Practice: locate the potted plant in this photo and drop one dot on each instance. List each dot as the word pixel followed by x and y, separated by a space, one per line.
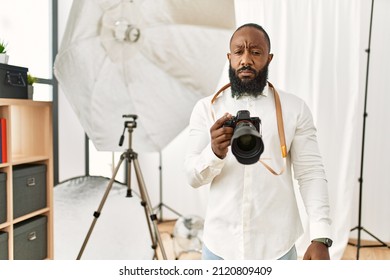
pixel 30 85
pixel 3 52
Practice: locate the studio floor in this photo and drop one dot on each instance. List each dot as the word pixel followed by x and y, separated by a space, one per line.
pixel 120 232
pixel 371 253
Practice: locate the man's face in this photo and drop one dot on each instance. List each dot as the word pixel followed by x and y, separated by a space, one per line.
pixel 249 58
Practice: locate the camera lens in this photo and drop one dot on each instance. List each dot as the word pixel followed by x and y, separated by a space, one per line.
pixel 247 145
pixel 246 142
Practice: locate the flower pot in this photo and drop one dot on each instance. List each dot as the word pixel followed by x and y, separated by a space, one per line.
pixel 30 91
pixel 4 58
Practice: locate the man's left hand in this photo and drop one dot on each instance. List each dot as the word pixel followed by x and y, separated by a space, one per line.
pixel 317 251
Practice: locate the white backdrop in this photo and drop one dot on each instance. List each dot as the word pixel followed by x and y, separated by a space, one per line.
pixel 319 55
pixel 316 46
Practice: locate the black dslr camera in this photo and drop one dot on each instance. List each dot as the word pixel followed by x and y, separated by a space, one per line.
pixel 247 144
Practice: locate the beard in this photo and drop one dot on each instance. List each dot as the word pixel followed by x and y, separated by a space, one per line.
pixel 253 87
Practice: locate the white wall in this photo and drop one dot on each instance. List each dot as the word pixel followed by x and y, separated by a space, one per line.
pixel 23 48
pixel 71 159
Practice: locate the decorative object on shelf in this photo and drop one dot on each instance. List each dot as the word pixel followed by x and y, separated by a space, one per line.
pixel 3 53
pixel 30 85
pixel 13 82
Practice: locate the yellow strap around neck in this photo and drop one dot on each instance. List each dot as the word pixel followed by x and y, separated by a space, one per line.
pixel 279 119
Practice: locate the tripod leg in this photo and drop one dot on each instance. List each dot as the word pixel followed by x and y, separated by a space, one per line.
pixel 159 207
pixel 148 207
pixel 152 237
pixel 96 214
pixel 382 244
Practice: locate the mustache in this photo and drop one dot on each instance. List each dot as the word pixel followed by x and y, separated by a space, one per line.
pixel 246 68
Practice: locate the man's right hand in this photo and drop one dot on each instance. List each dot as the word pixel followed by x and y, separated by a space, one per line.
pixel 221 136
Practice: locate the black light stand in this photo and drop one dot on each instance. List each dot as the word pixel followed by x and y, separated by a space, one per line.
pixel 359 227
pixel 131 157
pixel 160 206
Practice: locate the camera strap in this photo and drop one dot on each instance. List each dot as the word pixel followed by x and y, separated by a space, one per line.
pixel 279 120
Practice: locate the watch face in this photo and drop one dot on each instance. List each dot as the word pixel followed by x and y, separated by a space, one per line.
pixel 328 242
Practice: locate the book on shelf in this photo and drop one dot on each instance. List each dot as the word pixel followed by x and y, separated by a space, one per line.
pixel 3 132
pixel 1 144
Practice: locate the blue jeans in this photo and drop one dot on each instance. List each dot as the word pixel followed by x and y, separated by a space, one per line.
pixel 208 255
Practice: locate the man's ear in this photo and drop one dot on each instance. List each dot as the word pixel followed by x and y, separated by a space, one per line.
pixel 270 57
pixel 228 55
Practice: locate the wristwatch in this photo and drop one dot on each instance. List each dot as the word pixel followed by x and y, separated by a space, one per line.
pixel 327 241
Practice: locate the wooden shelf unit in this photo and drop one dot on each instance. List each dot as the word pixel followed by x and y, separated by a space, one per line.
pixel 29 140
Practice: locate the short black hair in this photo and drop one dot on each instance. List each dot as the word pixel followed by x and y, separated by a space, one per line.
pixel 258 27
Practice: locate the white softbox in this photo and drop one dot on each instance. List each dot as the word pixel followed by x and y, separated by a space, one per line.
pixel 152 58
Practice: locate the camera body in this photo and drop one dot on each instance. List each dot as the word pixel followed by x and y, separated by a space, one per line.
pixel 247 144
pixel 243 116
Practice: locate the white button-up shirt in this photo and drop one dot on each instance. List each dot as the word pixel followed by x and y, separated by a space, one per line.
pixel 253 214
